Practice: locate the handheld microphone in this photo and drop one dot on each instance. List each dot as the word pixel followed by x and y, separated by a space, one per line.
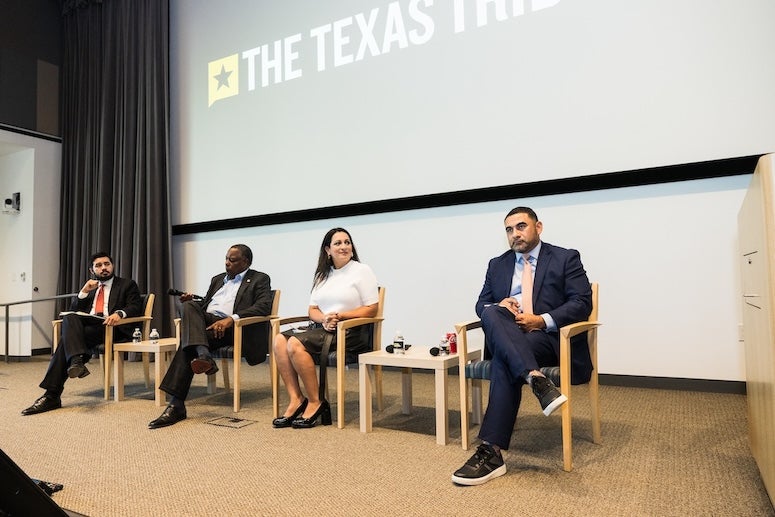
pixel 175 292
pixel 389 349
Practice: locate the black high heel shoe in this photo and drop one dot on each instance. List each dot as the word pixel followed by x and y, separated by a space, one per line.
pixel 286 421
pixel 324 412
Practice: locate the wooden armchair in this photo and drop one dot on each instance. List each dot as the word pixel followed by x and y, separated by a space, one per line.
pixel 475 371
pixel 340 357
pixel 235 351
pixel 106 349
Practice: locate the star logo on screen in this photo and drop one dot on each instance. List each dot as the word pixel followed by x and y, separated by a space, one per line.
pixel 222 78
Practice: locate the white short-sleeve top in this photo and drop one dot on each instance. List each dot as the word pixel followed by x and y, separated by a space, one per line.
pixel 349 287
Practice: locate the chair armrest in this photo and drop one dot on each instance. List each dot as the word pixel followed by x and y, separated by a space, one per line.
pixel 250 320
pixel 356 322
pixel 291 319
pixel 277 322
pixel 462 342
pixel 134 319
pixel 574 329
pixel 468 325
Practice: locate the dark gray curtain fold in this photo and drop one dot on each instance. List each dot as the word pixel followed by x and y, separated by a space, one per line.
pixel 115 144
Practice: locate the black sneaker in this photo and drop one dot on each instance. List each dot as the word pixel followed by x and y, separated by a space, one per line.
pixel 548 394
pixel 484 465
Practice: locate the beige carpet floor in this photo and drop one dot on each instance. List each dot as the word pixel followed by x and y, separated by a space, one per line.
pixel 664 453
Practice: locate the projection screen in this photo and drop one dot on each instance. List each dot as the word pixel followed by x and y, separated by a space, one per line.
pixel 290 105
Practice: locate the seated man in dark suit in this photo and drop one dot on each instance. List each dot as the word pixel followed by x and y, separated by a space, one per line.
pixel 529 292
pixel 208 324
pixel 105 295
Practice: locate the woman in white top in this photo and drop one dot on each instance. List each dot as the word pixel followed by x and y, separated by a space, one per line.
pixel 343 288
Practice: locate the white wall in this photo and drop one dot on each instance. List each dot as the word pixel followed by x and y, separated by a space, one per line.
pixel 664 255
pixel 30 239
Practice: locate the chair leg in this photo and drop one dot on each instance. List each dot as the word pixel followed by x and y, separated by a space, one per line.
pixel 464 432
pixel 225 369
pixel 476 401
pixel 236 387
pixel 211 384
pixel 275 379
pixel 147 369
pixel 340 397
pixel 378 383
pixel 594 401
pixel 567 436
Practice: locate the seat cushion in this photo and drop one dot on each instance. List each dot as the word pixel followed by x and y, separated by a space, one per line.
pixel 478 370
pixel 481 370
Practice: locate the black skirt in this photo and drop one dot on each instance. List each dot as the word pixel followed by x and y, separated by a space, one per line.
pixel 357 340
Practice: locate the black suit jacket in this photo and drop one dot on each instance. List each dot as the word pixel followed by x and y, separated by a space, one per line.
pixel 560 288
pixel 254 298
pixel 124 296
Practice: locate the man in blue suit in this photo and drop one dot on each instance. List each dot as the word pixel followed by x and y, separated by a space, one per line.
pixel 521 333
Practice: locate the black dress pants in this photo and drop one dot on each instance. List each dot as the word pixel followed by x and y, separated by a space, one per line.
pixel 193 333
pixel 80 335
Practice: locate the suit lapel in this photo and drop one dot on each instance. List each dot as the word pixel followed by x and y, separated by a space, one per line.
pixel 113 294
pixel 544 261
pixel 508 275
pixel 246 281
pixel 215 284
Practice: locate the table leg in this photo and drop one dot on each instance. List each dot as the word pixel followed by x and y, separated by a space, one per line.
pixel 118 376
pixel 406 391
pixel 442 420
pixel 364 394
pixel 158 369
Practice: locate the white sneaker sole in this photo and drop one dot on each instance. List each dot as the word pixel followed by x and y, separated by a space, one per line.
pixel 559 401
pixel 482 480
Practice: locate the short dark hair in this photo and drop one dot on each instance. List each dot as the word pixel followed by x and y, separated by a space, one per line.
pixel 523 210
pixel 245 251
pixel 98 255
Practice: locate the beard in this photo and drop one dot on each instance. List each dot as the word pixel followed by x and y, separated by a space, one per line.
pixel 105 277
pixel 521 246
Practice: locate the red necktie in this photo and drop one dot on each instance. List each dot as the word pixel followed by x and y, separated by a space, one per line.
pixel 99 304
pixel 527 285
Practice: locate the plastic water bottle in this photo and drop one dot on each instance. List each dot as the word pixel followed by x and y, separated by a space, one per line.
pixel 154 336
pixel 136 335
pixel 444 345
pixel 398 343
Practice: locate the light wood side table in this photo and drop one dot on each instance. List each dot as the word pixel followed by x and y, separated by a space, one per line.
pixel 415 357
pixel 161 351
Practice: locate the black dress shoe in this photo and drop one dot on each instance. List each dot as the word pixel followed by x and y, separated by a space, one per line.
pixel 323 412
pixel 171 415
pixel 77 368
pixel 204 364
pixel 286 421
pixel 42 405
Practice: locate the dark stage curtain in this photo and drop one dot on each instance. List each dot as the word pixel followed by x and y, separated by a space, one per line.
pixel 115 144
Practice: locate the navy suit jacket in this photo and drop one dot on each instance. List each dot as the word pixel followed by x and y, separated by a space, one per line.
pixel 254 298
pixel 560 288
